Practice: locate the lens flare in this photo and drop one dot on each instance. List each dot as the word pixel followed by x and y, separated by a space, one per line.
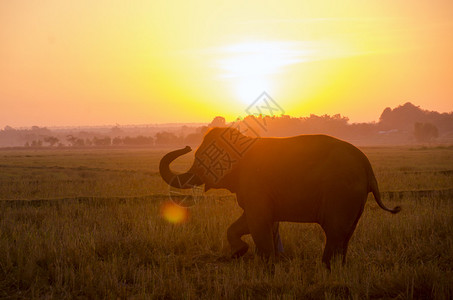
pixel 174 213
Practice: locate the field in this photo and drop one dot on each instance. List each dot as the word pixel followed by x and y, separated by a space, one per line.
pixel 88 224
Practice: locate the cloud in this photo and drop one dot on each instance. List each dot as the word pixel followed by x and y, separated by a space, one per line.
pixel 260 58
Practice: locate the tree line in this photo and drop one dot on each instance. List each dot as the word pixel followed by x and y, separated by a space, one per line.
pixel 404 124
pixel 160 139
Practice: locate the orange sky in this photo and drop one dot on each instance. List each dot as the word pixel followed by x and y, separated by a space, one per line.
pixel 107 62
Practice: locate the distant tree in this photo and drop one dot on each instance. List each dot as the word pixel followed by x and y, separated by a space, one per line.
pixel 165 138
pixel 425 132
pixel 128 140
pixel 404 116
pixel 115 131
pixel 40 130
pixel 105 141
pixel 117 141
pixel 138 141
pixel 8 128
pixel 71 139
pixel 193 138
pixel 80 142
pixel 75 141
pixel 36 143
pixel 144 140
pixel 217 122
pixel 51 140
pixel 401 117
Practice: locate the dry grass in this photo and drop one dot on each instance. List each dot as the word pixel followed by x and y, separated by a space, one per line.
pixel 109 247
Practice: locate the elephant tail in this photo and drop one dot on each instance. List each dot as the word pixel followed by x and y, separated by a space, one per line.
pixel 377 195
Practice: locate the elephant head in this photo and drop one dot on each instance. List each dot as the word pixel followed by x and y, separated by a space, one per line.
pixel 216 161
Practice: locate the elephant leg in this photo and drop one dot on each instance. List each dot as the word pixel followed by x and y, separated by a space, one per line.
pixel 234 234
pixel 340 222
pixel 277 240
pixel 240 228
pixel 335 246
pixel 351 231
pixel 337 240
pixel 345 248
pixel 262 234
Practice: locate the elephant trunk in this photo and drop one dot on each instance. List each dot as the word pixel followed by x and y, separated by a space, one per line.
pixel 181 181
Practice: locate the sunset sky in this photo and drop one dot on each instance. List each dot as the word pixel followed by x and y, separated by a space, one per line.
pixel 107 62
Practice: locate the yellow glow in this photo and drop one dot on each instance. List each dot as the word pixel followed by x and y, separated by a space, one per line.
pixel 174 213
pixel 249 66
pixel 105 62
pixel 253 67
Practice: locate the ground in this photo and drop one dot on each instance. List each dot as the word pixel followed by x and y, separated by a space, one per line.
pixel 87 223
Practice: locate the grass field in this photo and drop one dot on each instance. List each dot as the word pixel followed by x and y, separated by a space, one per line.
pixel 87 224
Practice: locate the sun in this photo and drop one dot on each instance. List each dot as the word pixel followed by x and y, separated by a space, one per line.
pixel 252 67
pixel 247 89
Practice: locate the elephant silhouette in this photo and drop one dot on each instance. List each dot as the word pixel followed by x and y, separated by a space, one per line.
pixel 306 178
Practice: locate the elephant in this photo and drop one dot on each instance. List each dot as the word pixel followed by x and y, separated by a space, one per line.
pixel 311 178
